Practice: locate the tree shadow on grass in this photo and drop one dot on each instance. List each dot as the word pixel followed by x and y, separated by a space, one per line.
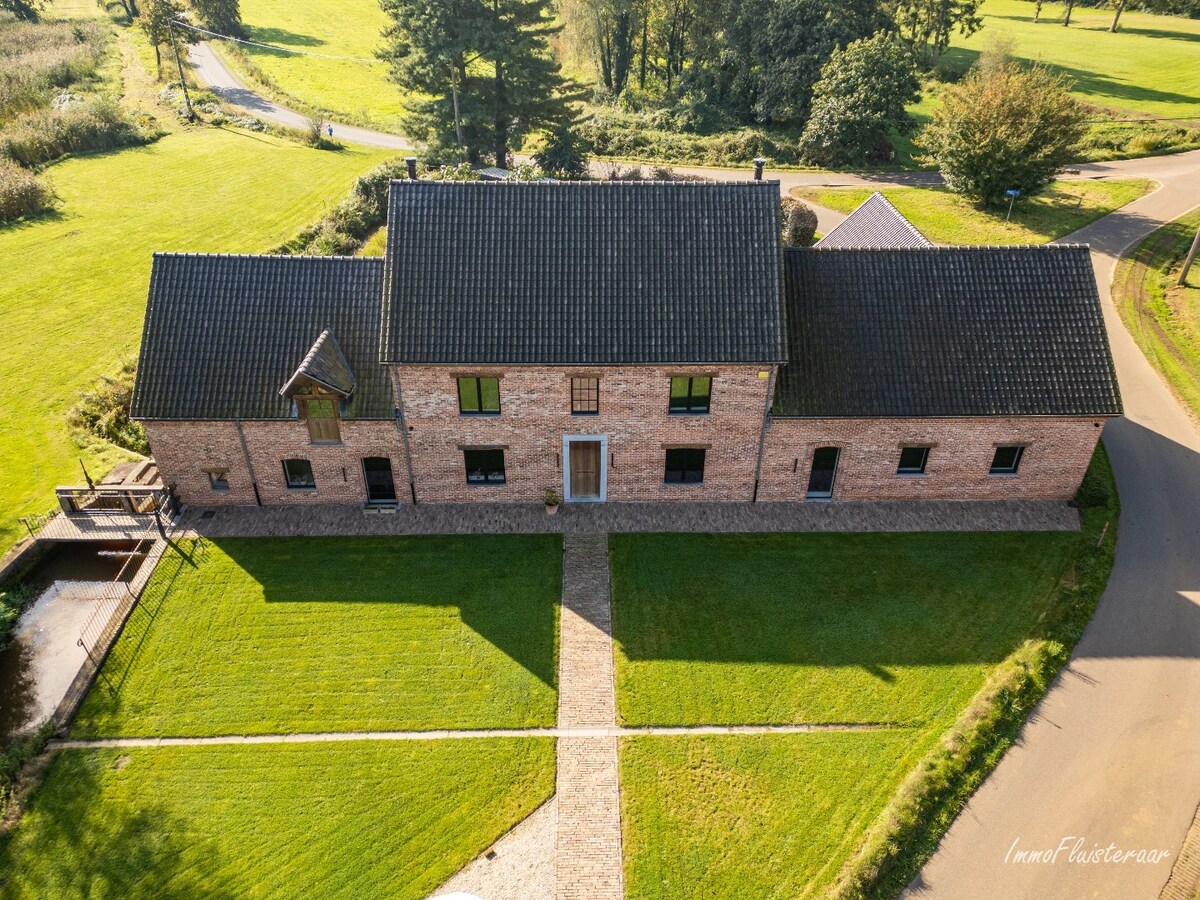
pixel 1102 27
pixel 272 35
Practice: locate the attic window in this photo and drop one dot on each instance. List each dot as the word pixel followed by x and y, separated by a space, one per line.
pixel 322 418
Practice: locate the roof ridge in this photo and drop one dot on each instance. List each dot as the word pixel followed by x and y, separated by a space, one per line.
pixel 184 254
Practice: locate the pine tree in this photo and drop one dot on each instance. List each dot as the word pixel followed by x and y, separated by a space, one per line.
pixel 494 54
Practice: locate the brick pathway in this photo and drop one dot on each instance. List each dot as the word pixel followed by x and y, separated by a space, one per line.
pixel 582 518
pixel 589 796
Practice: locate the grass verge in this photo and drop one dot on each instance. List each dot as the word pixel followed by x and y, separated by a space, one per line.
pixel 946 218
pixel 908 830
pixel 1162 315
pixel 265 635
pixel 343 820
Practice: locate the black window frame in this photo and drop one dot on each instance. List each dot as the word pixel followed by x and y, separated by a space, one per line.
pixel 691 406
pixel 1018 451
pixel 291 481
pixel 585 394
pixel 479 380
pixel 911 470
pixel 488 468
pixel 685 461
pixel 218 479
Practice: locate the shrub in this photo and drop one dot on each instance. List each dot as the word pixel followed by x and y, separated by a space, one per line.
pixel 564 154
pixel 13 759
pixel 316 135
pixel 36 61
pixel 44 135
pixel 798 223
pixel 13 598
pixel 21 194
pixel 103 411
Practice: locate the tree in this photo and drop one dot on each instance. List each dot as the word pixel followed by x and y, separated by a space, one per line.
pixel 564 155
pixel 798 223
pixel 862 92
pixel 153 21
pixel 1003 127
pixel 481 69
pixel 24 10
pixel 1117 16
pixel 1067 9
pixel 926 25
pixel 221 16
pixel 606 33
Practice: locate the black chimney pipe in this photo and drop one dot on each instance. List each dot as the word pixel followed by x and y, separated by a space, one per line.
pixel 759 162
pixel 412 167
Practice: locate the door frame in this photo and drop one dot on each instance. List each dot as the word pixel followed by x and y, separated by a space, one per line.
pixel 568 440
pixel 837 465
pixel 362 465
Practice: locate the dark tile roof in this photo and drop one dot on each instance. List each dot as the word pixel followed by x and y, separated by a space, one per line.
pixel 874 223
pixel 325 363
pixel 583 273
pixel 222 333
pixel 946 331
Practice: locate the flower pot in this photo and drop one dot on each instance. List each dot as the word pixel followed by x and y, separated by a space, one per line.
pixel 552 509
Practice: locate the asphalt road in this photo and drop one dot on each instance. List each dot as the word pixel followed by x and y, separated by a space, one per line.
pixel 1112 753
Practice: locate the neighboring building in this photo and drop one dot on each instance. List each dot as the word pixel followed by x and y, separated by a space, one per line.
pixel 874 223
pixel 623 342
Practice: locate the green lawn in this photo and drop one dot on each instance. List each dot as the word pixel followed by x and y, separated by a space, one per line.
pixel 1163 316
pixel 947 218
pixel 771 816
pixel 820 628
pixel 341 820
pixel 351 28
pixel 74 289
pixel 266 635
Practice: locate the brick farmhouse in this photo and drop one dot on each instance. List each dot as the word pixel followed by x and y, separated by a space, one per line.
pixel 624 341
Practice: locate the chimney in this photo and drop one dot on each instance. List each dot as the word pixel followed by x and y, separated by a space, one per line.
pixel 412 167
pixel 759 162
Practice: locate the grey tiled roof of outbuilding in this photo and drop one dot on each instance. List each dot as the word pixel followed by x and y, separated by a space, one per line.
pixel 945 331
pixel 223 333
pixel 874 223
pixel 583 273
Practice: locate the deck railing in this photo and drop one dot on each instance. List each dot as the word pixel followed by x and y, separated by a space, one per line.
pixel 128 500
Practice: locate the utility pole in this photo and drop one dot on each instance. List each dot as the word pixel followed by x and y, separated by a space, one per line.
pixel 1191 258
pixel 457 118
pixel 187 100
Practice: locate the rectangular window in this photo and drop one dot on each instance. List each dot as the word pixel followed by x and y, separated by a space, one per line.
pixel 684 466
pixel 484 466
pixel 585 396
pixel 1006 460
pixel 479 396
pixel 298 474
pixel 690 394
pixel 321 416
pixel 912 460
pixel 217 479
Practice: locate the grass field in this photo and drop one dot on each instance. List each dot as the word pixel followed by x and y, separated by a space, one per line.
pixel 73 295
pixel 820 628
pixel 947 218
pixel 266 635
pixel 1163 316
pixel 343 820
pixel 350 28
pixel 766 816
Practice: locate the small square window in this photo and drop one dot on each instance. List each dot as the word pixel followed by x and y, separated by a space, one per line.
pixel 1006 460
pixel 912 460
pixel 298 474
pixel 217 479
pixel 685 466
pixel 690 394
pixel 585 396
pixel 484 466
pixel 478 396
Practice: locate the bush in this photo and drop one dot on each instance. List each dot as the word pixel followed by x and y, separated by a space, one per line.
pixel 798 223
pixel 103 412
pixel 21 194
pixel 564 154
pixel 13 759
pixel 38 60
pixel 12 600
pixel 39 137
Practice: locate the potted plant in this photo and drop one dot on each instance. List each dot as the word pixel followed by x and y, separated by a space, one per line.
pixel 551 499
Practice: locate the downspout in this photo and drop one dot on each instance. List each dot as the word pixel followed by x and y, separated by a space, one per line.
pixel 402 427
pixel 762 436
pixel 237 423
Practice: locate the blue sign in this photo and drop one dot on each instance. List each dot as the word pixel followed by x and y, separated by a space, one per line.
pixel 1012 192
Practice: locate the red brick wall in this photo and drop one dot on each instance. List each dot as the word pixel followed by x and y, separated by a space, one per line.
pixel 184 449
pixel 1055 458
pixel 535 413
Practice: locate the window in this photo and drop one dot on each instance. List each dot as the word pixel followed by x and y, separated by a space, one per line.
pixel 690 394
pixel 298 474
pixel 484 466
pixel 217 479
pixel 1006 460
pixel 912 460
pixel 321 416
pixel 585 396
pixel 684 466
pixel 479 396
